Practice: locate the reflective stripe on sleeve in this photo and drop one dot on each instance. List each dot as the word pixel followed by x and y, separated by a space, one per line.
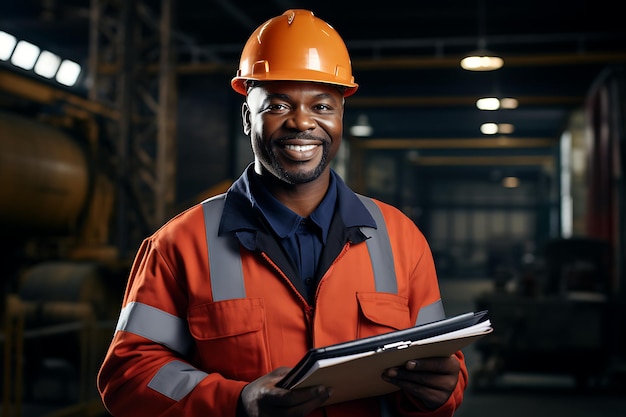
pixel 430 313
pixel 176 379
pixel 225 269
pixel 379 248
pixel 156 325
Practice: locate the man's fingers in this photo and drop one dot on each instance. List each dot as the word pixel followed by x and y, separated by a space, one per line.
pixel 445 365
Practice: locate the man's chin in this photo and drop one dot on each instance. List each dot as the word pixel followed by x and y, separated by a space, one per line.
pixel 301 176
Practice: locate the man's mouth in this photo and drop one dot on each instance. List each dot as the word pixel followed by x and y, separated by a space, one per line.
pixel 300 148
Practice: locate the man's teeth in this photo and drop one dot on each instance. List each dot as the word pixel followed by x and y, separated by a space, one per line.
pixel 300 148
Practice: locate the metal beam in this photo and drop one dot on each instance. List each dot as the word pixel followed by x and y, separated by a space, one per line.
pixel 38 92
pixel 132 61
pixel 469 143
pixel 457 161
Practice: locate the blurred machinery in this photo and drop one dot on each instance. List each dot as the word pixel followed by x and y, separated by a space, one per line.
pixel 557 318
pixel 563 311
pixel 61 277
pixel 84 176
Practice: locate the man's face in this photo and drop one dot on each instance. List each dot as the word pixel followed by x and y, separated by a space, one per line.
pixel 295 128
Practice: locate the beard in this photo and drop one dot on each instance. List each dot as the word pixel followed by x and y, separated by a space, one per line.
pixel 296 173
pixel 298 176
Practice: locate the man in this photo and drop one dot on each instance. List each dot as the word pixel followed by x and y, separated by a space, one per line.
pixel 209 327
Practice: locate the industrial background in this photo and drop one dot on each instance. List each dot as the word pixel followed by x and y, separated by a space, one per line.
pixel 527 219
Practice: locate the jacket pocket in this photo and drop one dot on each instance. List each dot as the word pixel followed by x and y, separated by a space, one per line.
pixel 230 337
pixel 381 313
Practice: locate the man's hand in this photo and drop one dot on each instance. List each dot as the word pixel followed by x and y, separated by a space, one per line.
pixel 431 380
pixel 261 397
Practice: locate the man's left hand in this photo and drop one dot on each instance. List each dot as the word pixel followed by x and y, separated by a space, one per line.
pixel 431 380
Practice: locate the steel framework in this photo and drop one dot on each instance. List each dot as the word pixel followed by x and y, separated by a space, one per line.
pixel 132 71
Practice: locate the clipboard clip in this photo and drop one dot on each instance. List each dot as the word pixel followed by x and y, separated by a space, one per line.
pixel 395 345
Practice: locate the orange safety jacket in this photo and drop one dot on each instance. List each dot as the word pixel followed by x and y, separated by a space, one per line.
pixel 192 333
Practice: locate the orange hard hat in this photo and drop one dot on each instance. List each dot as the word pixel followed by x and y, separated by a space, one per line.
pixel 295 46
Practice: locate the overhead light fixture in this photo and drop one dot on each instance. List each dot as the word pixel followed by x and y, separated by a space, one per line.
pixel 68 73
pixel 493 128
pixel 362 127
pixel 481 61
pixel 493 103
pixel 7 44
pixel 489 128
pixel 509 103
pixel 25 55
pixel 488 103
pixel 47 64
pixel 505 128
pixel 510 182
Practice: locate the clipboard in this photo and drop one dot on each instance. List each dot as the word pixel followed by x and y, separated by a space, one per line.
pixel 353 369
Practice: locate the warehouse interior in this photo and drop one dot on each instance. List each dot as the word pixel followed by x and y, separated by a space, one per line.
pixel 523 202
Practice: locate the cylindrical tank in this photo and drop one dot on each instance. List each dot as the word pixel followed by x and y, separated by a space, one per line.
pixel 62 283
pixel 44 178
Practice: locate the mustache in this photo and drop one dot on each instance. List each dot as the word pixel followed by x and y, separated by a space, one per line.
pixel 302 135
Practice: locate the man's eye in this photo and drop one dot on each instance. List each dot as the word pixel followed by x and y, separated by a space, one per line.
pixel 277 107
pixel 323 107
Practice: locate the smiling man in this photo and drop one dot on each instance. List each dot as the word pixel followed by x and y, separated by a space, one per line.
pixel 295 129
pixel 225 298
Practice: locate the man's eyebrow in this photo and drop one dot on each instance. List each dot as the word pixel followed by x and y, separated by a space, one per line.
pixel 284 96
pixel 281 96
pixel 325 95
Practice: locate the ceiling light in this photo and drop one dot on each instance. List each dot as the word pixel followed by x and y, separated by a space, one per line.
pixel 506 128
pixel 7 43
pixel 509 103
pixel 488 103
pixel 47 64
pixel 493 103
pixel 493 128
pixel 489 128
pixel 362 127
pixel 68 73
pixel 481 61
pixel 510 182
pixel 25 55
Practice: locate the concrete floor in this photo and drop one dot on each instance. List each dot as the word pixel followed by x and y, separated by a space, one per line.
pixel 510 395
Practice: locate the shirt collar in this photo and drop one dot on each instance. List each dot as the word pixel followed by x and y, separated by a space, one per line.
pixel 283 220
pixel 242 210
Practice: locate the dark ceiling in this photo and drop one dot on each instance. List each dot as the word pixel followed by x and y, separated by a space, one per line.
pixel 405 55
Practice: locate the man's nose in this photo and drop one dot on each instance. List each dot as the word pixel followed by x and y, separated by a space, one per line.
pixel 301 119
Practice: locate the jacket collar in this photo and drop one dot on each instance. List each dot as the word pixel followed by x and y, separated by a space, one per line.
pixel 242 214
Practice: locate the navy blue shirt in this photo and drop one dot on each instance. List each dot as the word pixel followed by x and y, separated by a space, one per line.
pixel 302 238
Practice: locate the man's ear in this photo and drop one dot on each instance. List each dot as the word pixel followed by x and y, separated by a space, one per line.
pixel 245 118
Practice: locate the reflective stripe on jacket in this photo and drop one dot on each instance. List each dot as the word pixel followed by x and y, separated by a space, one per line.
pixel 191 333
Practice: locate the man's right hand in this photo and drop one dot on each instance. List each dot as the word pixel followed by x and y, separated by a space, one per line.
pixel 261 397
